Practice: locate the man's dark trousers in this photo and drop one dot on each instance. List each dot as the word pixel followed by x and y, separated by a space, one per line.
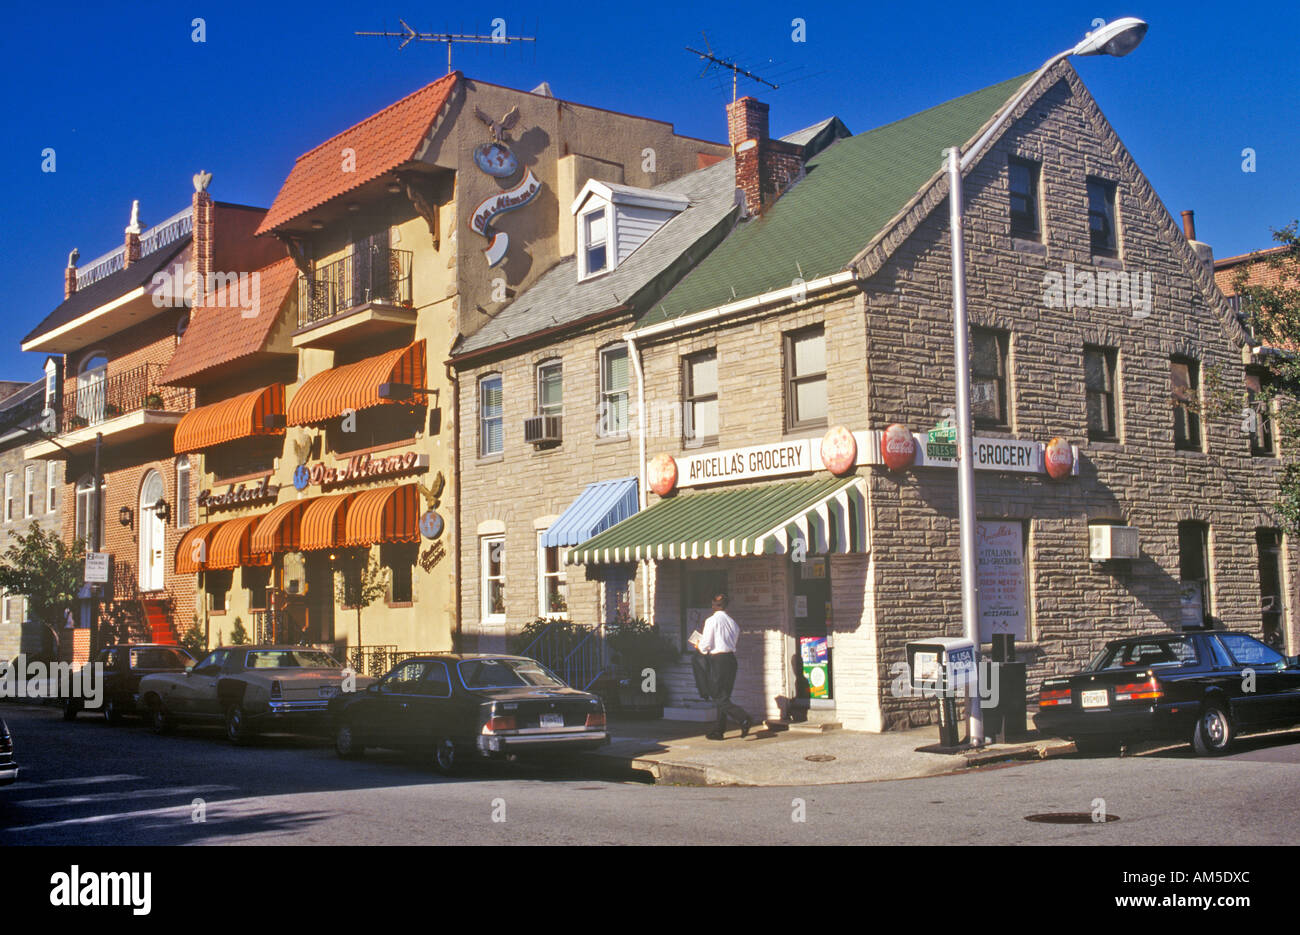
pixel 724 680
pixel 703 675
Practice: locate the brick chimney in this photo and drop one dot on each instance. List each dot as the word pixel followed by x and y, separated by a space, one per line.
pixel 70 274
pixel 764 167
pixel 133 229
pixel 204 235
pixel 1204 252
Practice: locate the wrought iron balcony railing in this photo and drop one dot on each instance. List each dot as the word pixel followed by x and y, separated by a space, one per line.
pixel 369 274
pixel 104 395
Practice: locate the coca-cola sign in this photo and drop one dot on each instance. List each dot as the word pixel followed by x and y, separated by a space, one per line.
pixel 1059 458
pixel 897 448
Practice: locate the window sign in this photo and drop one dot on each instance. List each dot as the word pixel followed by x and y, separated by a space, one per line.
pixel 1000 575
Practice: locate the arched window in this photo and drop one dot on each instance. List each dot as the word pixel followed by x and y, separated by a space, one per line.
pixel 91 388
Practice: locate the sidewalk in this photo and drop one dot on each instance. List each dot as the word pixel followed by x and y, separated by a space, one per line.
pixel 677 752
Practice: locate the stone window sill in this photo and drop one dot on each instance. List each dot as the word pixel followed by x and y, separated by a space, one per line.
pixel 1035 247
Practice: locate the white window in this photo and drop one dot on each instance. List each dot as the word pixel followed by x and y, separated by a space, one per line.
pixel 9 496
pixel 552 583
pixel 86 510
pixel 492 555
pixel 31 493
pixel 4 607
pixel 595 242
pixel 550 388
pixel 491 438
pixel 700 397
pixel 613 392
pixel 51 486
pixel 182 491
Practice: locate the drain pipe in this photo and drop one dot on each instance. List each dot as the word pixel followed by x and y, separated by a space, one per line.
pixel 635 356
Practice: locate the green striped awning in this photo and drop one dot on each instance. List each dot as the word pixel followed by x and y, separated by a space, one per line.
pixel 827 515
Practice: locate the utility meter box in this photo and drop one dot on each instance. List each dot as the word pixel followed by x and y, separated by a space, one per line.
pixel 942 664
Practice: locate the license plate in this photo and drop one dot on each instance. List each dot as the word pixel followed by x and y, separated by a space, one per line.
pixel 329 691
pixel 551 720
pixel 1095 699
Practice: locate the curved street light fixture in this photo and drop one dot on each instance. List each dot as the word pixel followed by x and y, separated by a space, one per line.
pixel 1117 38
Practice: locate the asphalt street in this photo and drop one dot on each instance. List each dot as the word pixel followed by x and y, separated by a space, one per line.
pixel 88 783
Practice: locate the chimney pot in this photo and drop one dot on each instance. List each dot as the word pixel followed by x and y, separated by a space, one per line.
pixel 1189 225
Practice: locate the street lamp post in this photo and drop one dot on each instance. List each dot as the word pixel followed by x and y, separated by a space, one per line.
pixel 1118 38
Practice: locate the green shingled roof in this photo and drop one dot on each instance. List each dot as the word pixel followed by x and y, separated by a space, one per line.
pixel 851 190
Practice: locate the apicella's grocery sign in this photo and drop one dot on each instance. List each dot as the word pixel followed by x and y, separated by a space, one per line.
pixel 840 450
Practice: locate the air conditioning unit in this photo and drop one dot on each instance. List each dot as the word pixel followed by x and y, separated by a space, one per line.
pixel 541 430
pixel 1107 543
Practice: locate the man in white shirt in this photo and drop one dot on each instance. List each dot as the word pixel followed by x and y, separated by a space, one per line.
pixel 718 642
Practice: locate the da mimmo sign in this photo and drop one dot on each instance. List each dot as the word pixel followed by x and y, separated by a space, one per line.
pixel 357 469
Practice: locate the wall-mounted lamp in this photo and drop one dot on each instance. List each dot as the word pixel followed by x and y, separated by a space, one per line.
pixel 162 510
pixel 125 516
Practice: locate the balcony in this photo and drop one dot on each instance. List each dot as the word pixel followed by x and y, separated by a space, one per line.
pixel 123 407
pixel 366 293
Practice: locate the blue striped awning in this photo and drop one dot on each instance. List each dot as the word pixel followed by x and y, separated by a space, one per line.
pixel 597 508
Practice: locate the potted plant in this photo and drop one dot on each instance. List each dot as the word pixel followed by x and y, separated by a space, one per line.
pixel 153 401
pixel 78 422
pixel 641 653
pixel 112 409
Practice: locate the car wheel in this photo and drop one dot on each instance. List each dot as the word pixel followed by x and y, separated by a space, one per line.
pixel 346 742
pixel 70 710
pixel 1097 746
pixel 238 730
pixel 160 722
pixel 1214 731
pixel 112 711
pixel 446 759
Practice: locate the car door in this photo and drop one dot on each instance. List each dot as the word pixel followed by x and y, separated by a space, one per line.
pixel 428 710
pixel 1274 685
pixel 389 719
pixel 196 693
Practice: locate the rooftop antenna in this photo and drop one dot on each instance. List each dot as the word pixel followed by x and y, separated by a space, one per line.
pixel 409 35
pixel 736 71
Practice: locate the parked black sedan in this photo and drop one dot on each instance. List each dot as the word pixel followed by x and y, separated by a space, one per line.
pixel 1203 686
pixel 124 666
pixel 460 706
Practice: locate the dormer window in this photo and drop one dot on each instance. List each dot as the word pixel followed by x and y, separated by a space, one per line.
pixel 596 235
pixel 612 220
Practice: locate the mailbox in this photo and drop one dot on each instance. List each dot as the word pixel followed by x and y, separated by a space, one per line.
pixel 942 664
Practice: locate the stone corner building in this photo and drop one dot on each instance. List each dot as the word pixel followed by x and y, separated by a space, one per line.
pixel 815 333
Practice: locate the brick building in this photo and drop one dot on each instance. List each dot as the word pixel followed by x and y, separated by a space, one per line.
pixel 117 329
pixel 813 344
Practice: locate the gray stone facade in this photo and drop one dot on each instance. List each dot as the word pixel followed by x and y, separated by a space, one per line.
pixel 889 349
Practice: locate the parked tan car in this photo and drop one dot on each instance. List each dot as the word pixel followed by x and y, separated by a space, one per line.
pixel 248 688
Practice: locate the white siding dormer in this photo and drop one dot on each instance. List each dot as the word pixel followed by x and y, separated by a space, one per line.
pixel 613 220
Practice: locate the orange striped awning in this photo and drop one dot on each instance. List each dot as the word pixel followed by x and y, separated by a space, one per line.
pixel 232 544
pixel 281 528
pixel 385 514
pixel 322 522
pixel 356 386
pixel 193 549
pixel 238 417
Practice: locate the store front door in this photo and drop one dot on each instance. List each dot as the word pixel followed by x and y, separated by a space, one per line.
pixel 320 598
pixel 812 618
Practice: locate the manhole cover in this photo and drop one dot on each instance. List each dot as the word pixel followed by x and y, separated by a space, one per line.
pixel 1071 818
pixel 819 758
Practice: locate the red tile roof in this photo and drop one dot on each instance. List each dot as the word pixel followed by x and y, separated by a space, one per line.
pixel 219 332
pixel 381 142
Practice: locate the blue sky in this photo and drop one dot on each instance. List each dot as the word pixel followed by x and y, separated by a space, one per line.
pixel 133 107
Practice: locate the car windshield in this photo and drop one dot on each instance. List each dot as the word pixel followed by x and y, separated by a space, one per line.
pixel 1174 651
pixel 506 673
pixel 290 659
pixel 160 659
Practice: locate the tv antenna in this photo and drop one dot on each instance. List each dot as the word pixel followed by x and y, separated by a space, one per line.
pixel 710 60
pixel 409 35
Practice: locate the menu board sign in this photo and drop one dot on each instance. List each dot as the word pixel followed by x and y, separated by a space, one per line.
pixel 1000 575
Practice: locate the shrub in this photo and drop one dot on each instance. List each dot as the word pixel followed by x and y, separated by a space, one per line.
pixel 238 635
